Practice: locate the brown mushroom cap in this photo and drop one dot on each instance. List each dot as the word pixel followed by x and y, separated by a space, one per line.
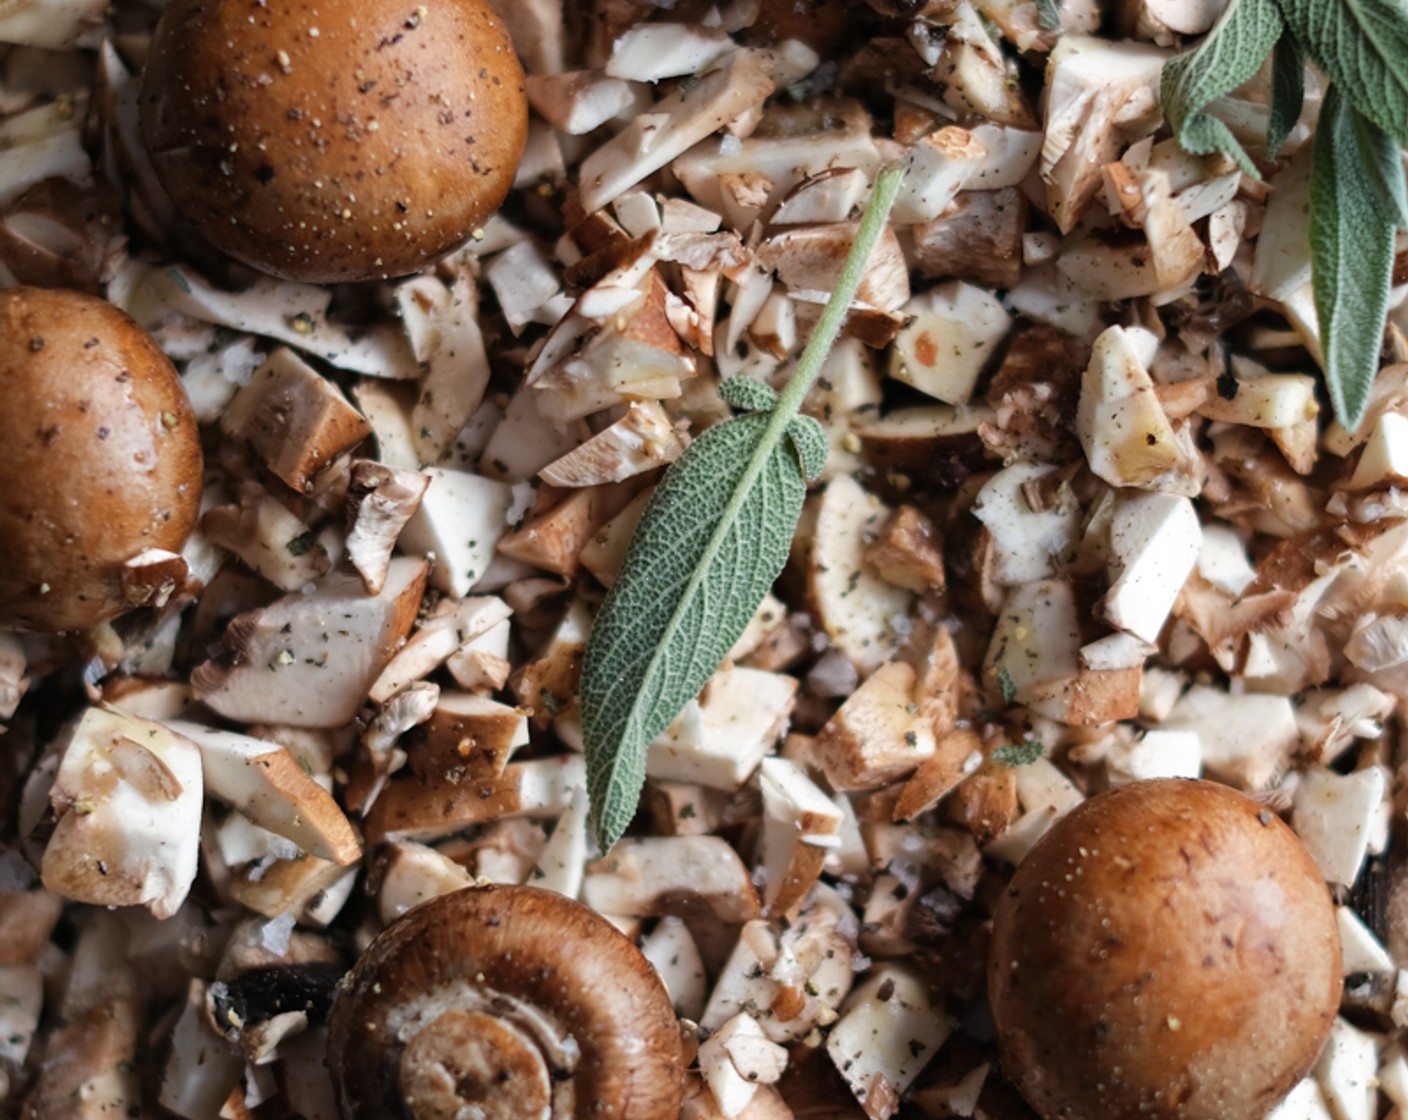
pixel 1168 949
pixel 342 140
pixel 102 459
pixel 513 999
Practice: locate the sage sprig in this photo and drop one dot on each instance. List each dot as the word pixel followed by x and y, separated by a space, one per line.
pixel 1357 195
pixel 714 537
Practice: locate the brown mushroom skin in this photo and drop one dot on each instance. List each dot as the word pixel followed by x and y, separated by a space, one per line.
pixel 1167 950
pixel 332 140
pixel 470 956
pixel 102 458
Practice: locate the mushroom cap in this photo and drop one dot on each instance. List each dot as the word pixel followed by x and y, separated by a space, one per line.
pixel 103 459
pixel 343 140
pixel 512 998
pixel 1168 949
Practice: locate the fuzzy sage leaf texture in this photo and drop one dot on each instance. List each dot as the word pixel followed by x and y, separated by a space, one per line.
pixel 714 537
pixel 1230 55
pixel 646 660
pixel 1363 46
pixel 1351 248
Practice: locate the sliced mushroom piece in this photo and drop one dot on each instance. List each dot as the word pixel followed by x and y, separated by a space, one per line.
pixel 800 827
pixel 720 737
pixel 738 1059
pixel 128 800
pixel 313 889
pixel 1099 95
pixel 466 738
pixel 291 313
pixel 59 234
pixel 683 875
pixel 269 537
pixel 308 660
pixel 1336 816
pixel 1247 741
pixel 41 143
pixel 380 501
pixel 953 331
pixel 89 1068
pixel 452 625
pixel 643 439
pixel 579 101
pixel 295 419
pixel 1028 543
pixel 810 258
pixel 739 81
pixel 1122 427
pixel 412 808
pixel 13 680
pixel 856 608
pixel 266 783
pixel 1154 542
pixel 410 874
pixel 888 1031
pixel 469 998
pixel 651 51
pixel 459 520
pixel 201 1070
pixel 879 735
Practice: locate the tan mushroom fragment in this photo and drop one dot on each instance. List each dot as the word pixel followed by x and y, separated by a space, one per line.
pixel 308 660
pixel 127 796
pixel 449 628
pixel 380 501
pixel 800 826
pixel 294 419
pixel 265 782
pixel 661 875
pixel 270 539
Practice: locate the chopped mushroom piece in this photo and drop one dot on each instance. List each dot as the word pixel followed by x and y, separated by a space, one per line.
pixel 1154 541
pixel 719 738
pixel 1122 427
pixel 380 501
pixel 128 800
pixel 1246 740
pixel 888 1031
pixel 459 521
pixel 738 82
pixel 953 330
pixel 266 783
pixel 879 735
pixel 295 419
pixel 308 660
pixel 1334 816
pixel 643 439
pixel 451 626
pixel 736 1060
pixel 651 51
pixel 578 102
pixel 855 607
pixel 663 875
pixel 800 826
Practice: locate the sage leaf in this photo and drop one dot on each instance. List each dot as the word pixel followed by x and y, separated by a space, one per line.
pixel 710 546
pixel 746 394
pixel 808 439
pixel 1363 46
pixel 714 537
pixel 1048 15
pixel 1229 55
pixel 1383 168
pixel 1351 250
pixel 1287 91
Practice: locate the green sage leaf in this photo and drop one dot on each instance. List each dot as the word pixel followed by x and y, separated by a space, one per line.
pixel 710 550
pixel 1229 55
pixel 1383 169
pixel 808 438
pixel 713 539
pixel 1048 14
pixel 747 394
pixel 1351 249
pixel 1287 91
pixel 1363 46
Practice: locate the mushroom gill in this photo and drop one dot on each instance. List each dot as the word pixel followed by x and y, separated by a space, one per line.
pixel 504 1003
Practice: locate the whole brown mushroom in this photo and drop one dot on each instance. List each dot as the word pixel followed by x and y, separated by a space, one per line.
pixel 102 463
pixel 506 1003
pixel 1167 950
pixel 337 140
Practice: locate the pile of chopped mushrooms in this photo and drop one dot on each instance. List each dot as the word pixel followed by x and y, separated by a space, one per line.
pixel 1086 521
